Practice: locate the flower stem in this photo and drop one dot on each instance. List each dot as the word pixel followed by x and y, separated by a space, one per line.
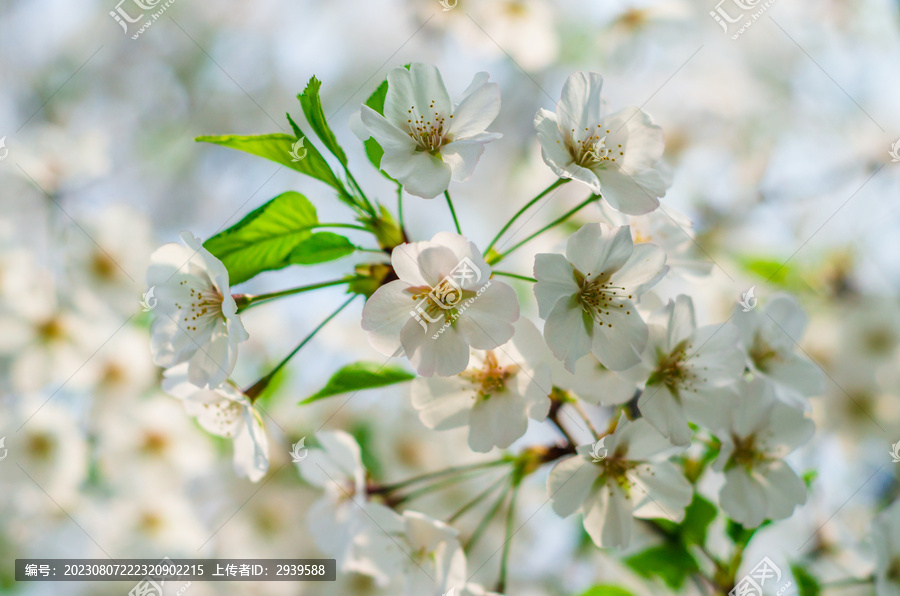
pixel 559 182
pixel 342 225
pixel 584 416
pixel 515 276
pixel 455 479
pixel 245 301
pixel 368 206
pixel 554 418
pixel 485 521
pixel 400 207
pixel 254 391
pixel 510 522
pixel 478 499
pixel 552 224
pixel 388 488
pixel 452 212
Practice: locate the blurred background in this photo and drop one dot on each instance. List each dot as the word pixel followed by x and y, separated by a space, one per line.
pixel 779 136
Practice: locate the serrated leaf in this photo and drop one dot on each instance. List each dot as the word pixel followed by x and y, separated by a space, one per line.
pixel 358 376
pixel 606 590
pixel 265 239
pixel 279 147
pixel 321 247
pixel 671 563
pixel 315 115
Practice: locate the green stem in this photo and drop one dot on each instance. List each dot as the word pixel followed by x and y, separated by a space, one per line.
pixel 452 212
pixel 847 583
pixel 485 521
pixel 388 488
pixel 455 479
pixel 342 225
pixel 510 523
pixel 400 207
pixel 559 182
pixel 552 224
pixel 515 276
pixel 254 391
pixel 359 189
pixel 245 301
pixel 478 499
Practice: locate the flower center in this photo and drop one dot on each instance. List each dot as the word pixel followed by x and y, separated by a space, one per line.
pixel 429 133
pixel 616 470
pixel 746 454
pixel 205 304
pixel 491 378
pixel 673 372
pixel 762 354
pixel 591 151
pixel 599 297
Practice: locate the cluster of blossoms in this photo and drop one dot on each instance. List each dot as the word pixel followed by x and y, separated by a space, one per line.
pixel 607 339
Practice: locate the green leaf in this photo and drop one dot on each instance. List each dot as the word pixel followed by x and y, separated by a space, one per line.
pixel 670 562
pixel 373 150
pixel 312 107
pixel 358 376
pixel 807 585
pixel 697 518
pixel 266 238
pixel 278 147
pixel 606 590
pixel 321 247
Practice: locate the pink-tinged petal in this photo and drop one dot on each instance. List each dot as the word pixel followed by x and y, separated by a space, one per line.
pixel 497 421
pixel 597 250
pixel 643 270
pixel 642 142
pixel 391 138
pixel 568 331
pixel 444 355
pixel 619 341
pixel 633 194
pixel 478 108
pixel 442 402
pixel 743 498
pixel 488 319
pixel 570 483
pixel 385 314
pixel 556 279
pixel 580 104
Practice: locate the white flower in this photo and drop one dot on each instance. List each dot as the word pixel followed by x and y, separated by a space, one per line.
pixel 494 397
pixel 587 296
pixel 617 154
pixel 688 371
pixel 197 319
pixel 443 302
pixel 886 537
pixel 770 335
pixel 225 412
pixel 426 138
pixel 422 550
pixel 761 431
pixel 632 480
pixel 336 518
pixel 593 382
